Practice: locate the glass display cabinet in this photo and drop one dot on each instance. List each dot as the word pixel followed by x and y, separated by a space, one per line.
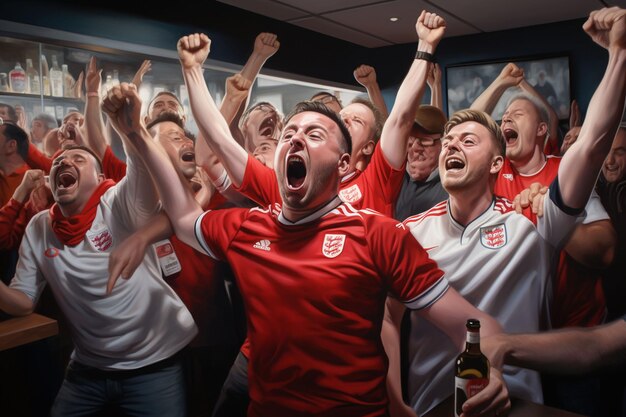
pixel 39 67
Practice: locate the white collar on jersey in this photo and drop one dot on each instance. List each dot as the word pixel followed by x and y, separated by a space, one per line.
pixel 348 176
pixel 543 165
pixel 331 205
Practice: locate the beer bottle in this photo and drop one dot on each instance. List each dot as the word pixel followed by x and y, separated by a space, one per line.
pixel 472 368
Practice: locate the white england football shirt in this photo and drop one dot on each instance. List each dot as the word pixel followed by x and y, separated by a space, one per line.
pixel 143 321
pixel 500 263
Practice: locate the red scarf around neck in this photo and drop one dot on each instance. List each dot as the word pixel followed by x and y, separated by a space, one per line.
pixel 71 230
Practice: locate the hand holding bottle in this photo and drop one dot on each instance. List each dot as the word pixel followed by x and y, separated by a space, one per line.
pixel 472 368
pixel 480 388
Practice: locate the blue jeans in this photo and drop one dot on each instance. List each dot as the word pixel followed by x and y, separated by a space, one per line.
pixel 156 390
pixel 234 399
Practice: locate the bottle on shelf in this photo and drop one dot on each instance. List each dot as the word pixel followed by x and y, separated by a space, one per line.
pixel 45 76
pixel 4 82
pixel 472 368
pixel 17 79
pixel 56 78
pixel 116 77
pixel 34 84
pixel 68 82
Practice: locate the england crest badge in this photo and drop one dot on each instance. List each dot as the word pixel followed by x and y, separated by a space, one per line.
pixel 351 194
pixel 333 245
pixel 493 237
pixel 100 239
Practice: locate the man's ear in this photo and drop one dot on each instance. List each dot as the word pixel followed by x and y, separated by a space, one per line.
pixel 369 147
pixel 496 164
pixel 542 129
pixel 11 145
pixel 343 165
pixel 101 178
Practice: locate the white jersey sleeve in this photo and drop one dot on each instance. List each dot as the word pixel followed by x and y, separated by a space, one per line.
pixel 558 221
pixel 28 277
pixel 135 199
pixel 594 210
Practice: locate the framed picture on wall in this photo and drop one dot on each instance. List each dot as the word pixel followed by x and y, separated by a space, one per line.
pixel 550 76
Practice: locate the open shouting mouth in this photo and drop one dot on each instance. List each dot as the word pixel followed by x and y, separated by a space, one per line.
pixel 510 135
pixel 296 172
pixel 454 164
pixel 66 181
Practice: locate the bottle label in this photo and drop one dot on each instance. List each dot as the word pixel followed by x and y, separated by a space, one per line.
pixel 33 84
pixel 473 337
pixel 18 81
pixel 467 388
pixel 56 83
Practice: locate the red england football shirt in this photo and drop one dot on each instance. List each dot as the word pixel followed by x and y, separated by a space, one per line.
pixel 199 284
pixel 114 168
pixel 314 293
pixel 510 182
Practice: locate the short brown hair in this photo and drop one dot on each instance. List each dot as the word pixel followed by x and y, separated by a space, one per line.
pixel 483 119
pixel 319 107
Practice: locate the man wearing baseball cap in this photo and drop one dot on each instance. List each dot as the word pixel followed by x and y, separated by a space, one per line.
pixel 421 187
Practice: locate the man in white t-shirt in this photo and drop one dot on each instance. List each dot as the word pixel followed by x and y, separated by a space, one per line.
pixel 127 343
pixel 499 260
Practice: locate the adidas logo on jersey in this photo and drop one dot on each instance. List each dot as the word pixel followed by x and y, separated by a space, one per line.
pixel 263 245
pixel 508 177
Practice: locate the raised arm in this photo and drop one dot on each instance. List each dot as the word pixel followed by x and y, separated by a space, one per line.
pixel 265 45
pixel 436 88
pixel 366 76
pixel 237 91
pixel 393 141
pixel 178 202
pixel 111 135
pixel 232 107
pixel 582 162
pixel 136 199
pixel 146 65
pixel 94 123
pixel 205 158
pixel 510 76
pixel 193 51
pixel 575 118
pixel 33 178
pixel 14 215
